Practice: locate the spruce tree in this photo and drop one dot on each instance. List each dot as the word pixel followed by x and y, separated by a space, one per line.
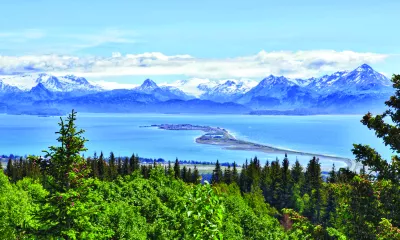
pixel 330 209
pixel 95 166
pixel 235 174
pixel 170 170
pixel 388 130
pixel 196 176
pixel 134 163
pixel 10 169
pixel 286 184
pixel 119 166
pixel 266 181
pixel 297 173
pixel 276 189
pixel 68 207
pixel 228 175
pixel 112 166
pixel 332 175
pixel 177 169
pixel 243 178
pixel 217 175
pixel 103 170
pixel 188 177
pixel 313 183
pixel 125 168
pixel 184 173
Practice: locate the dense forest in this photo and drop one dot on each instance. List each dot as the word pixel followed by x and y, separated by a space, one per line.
pixel 67 196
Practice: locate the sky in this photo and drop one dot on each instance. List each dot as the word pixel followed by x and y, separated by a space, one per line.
pixel 118 43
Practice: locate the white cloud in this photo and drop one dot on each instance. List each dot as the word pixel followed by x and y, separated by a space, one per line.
pixel 291 64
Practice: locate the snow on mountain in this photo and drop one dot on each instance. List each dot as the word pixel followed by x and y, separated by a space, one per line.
pixel 227 90
pixel 66 83
pixel 302 82
pixel 6 88
pixel 205 87
pixel 191 86
pixel 147 86
pixel 162 93
pixel 363 78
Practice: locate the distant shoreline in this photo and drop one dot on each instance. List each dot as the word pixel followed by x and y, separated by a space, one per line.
pixel 221 137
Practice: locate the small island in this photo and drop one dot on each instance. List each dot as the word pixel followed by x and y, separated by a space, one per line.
pixel 221 137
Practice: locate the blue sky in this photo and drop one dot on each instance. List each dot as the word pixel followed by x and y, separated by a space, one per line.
pixel 209 31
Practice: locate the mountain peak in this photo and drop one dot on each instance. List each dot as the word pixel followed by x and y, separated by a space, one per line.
pixel 39 88
pixel 364 67
pixel 229 83
pixel 148 83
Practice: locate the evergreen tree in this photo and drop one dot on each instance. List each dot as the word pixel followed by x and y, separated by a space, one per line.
pixel 235 174
pixel 275 190
pixel 364 209
pixel 119 167
pixel 177 169
pixel 253 173
pixel 170 170
pixel 103 170
pixel 243 178
pixel 10 170
pixel 344 175
pixel 217 175
pixel 189 177
pixel 112 166
pixel 286 184
pixel 313 183
pixel 228 175
pixel 196 176
pixel 266 181
pixel 332 175
pixel 184 173
pixel 390 135
pixel 95 166
pixel 297 173
pixel 134 163
pixel 330 209
pixel 67 186
pixel 125 168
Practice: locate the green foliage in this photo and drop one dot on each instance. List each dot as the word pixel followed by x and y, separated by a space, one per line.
pixel 205 214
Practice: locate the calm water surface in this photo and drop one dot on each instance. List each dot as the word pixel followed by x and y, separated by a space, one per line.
pixel 120 133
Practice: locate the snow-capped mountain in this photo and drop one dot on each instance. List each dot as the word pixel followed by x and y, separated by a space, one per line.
pixel 363 84
pixel 353 91
pixel 68 83
pixel 361 79
pixel 147 86
pixel 215 90
pixel 162 93
pixel 275 91
pixel 271 86
pixel 6 88
pixel 226 91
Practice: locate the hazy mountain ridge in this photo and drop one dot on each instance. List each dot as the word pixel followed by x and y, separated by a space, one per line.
pixel 343 91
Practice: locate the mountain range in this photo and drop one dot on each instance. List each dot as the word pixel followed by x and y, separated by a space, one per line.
pixel 357 91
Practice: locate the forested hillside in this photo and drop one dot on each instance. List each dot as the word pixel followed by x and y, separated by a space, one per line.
pixel 67 196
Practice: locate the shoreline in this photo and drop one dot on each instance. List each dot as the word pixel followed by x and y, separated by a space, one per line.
pixel 221 137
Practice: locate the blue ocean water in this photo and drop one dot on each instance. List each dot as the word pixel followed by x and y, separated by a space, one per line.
pixel 120 133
